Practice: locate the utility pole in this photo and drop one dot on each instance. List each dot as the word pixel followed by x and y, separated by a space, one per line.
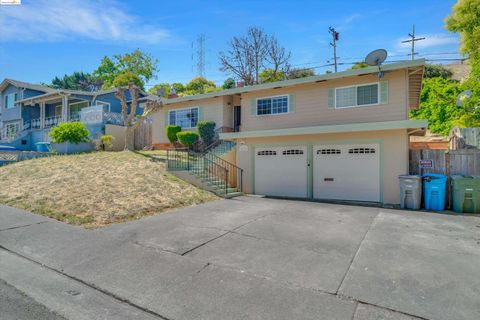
pixel 412 40
pixel 335 37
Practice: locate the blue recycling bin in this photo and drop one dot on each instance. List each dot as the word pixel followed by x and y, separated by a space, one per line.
pixel 43 146
pixel 434 191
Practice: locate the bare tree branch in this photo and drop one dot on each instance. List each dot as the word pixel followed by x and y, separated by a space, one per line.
pixel 250 54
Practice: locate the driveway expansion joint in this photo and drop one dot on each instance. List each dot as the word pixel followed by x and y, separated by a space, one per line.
pixel 356 252
pixel 23 226
pixel 92 286
pixel 204 243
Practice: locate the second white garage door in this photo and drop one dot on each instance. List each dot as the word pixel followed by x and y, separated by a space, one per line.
pixel 346 172
pixel 281 171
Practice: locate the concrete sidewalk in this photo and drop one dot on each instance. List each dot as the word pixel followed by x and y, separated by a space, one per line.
pixel 250 258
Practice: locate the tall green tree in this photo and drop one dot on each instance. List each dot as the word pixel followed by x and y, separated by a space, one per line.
pixel 297 73
pixel 229 83
pixel 136 65
pixel 437 70
pixel 77 81
pixel 270 75
pixel 167 87
pixel 438 104
pixel 200 85
pixel 465 20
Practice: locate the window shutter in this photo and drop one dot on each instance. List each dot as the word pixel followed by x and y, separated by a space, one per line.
pixel 331 98
pixel 383 92
pixel 200 114
pixel 291 103
pixel 253 107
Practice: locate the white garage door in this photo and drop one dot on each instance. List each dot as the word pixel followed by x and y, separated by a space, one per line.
pixel 346 172
pixel 281 171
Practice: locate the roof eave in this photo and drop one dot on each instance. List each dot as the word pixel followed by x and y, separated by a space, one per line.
pixel 313 79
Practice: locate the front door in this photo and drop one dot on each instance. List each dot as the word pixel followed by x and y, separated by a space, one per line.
pixel 237 116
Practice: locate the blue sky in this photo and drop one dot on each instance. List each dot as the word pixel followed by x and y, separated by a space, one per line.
pixel 44 38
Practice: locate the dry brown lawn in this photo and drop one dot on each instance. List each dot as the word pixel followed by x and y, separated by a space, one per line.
pixel 95 189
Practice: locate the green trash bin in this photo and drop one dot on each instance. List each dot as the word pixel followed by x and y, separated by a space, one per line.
pixel 466 194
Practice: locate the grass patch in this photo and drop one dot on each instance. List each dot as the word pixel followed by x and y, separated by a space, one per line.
pixel 95 189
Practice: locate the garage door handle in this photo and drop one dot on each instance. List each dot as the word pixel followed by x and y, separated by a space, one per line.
pixel 327 179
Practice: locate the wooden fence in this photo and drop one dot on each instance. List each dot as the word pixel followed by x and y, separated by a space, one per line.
pixel 464 161
pixel 143 135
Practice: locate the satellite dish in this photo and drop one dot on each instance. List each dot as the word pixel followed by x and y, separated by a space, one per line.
pixel 376 57
pixel 160 92
pixel 463 96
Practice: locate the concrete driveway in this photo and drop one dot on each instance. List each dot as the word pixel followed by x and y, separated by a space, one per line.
pixel 250 258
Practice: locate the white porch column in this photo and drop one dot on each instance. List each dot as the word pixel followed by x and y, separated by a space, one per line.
pixel 65 108
pixel 42 115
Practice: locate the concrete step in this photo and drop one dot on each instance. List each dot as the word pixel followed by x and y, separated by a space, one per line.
pixel 233 195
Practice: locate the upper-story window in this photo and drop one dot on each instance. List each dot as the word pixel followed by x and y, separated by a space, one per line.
pixel 355 96
pixel 185 118
pixel 272 105
pixel 10 100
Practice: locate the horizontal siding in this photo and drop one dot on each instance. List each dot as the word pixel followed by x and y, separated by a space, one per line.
pixel 312 105
pixel 212 110
pixel 13 113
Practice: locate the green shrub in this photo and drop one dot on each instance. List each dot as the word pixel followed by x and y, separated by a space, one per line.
pixel 73 132
pixel 105 143
pixel 206 129
pixel 187 138
pixel 172 131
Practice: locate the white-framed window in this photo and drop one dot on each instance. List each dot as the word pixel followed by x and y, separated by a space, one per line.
pixel 10 100
pixel 105 105
pixel 75 108
pixel 357 96
pixel 272 105
pixel 185 118
pixel 12 129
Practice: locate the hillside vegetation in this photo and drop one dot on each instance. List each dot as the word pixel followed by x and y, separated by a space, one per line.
pixel 95 189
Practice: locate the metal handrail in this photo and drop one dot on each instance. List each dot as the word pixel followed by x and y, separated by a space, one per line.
pixel 235 171
pixel 198 164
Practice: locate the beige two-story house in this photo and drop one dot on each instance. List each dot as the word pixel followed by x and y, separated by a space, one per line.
pixel 338 136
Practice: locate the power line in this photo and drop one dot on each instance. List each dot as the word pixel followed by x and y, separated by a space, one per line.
pixel 413 40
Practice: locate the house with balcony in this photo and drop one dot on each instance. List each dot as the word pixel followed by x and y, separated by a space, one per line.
pixel 28 111
pixel 337 136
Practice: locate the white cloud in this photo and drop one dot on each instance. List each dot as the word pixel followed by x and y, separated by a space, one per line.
pixel 352 17
pixel 57 20
pixel 431 40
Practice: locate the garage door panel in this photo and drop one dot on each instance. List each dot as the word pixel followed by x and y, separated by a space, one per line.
pixel 281 171
pixel 346 172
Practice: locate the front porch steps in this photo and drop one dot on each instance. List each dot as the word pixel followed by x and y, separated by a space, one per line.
pixel 200 174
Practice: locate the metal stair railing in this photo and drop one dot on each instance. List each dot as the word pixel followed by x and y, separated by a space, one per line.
pixel 235 172
pixel 199 165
